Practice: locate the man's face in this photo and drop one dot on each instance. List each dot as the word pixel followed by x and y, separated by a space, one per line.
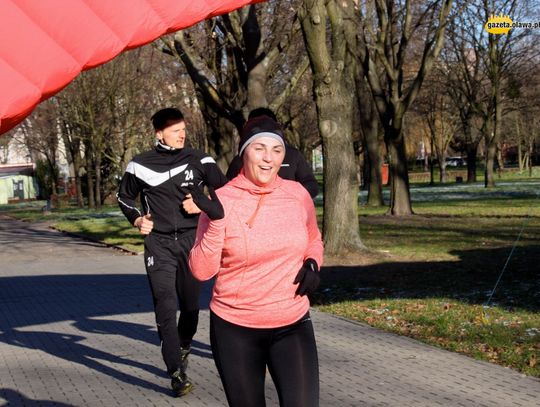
pixel 174 135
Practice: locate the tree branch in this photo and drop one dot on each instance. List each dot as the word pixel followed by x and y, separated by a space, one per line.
pixel 279 100
pixel 432 50
pixel 183 51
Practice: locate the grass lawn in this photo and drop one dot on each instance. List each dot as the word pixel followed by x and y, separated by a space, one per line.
pixel 506 337
pixel 112 231
pixel 106 225
pixel 428 276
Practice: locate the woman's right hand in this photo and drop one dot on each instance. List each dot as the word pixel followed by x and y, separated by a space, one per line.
pixel 212 207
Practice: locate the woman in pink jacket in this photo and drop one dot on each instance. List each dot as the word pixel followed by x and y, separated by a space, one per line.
pixel 265 253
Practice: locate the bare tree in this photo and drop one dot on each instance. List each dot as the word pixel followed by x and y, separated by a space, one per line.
pixel 104 116
pixel 466 79
pixel 72 143
pixel 232 59
pixel 388 30
pixel 520 129
pixel 501 54
pixel 442 123
pixel 4 147
pixel 39 132
pixel 526 134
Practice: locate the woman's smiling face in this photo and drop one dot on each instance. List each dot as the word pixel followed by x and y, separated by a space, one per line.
pixel 262 160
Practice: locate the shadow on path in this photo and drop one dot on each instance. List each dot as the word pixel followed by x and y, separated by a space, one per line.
pixel 17 399
pixel 68 347
pixel 88 303
pixel 471 278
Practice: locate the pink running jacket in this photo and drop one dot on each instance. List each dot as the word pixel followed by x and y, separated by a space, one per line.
pixel 256 251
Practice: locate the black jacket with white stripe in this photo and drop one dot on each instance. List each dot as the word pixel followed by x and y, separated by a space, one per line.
pixel 157 176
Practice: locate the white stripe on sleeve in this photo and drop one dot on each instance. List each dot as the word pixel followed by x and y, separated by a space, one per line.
pixel 208 160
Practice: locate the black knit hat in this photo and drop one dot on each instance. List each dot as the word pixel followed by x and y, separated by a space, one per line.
pixel 260 126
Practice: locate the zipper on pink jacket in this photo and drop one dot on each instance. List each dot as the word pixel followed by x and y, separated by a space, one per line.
pixel 251 220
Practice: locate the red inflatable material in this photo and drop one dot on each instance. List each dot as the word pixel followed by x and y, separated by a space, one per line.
pixel 45 44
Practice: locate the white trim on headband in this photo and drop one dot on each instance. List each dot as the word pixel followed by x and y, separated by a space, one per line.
pixel 262 134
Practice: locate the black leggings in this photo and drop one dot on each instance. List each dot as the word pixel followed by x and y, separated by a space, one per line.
pixel 242 354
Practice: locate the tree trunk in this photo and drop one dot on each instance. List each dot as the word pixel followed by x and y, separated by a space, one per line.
pixel 441 158
pixel 431 163
pixel 400 198
pixel 500 157
pixel 78 191
pixel 54 177
pixel 97 186
pixel 530 160
pixel 78 185
pixel 442 175
pixel 256 87
pixel 73 150
pixel 222 142
pixel 492 141
pixel 90 187
pixel 334 91
pixel 431 170
pixel 472 150
pixel 491 153
pixel 340 219
pixel 375 197
pixel 520 156
pixel 88 153
pixel 369 120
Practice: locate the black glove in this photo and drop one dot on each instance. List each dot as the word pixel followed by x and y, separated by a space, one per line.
pixel 212 207
pixel 308 277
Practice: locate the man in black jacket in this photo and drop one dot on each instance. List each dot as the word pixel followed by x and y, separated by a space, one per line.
pixel 162 178
pixel 294 166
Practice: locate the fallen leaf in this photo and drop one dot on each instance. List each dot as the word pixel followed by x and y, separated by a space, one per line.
pixel 532 360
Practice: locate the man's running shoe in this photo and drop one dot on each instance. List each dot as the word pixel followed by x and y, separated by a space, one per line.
pixel 180 384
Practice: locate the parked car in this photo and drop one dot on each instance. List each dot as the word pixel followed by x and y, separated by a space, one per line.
pixel 455 162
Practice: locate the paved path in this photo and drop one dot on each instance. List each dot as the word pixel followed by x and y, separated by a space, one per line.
pixel 77 329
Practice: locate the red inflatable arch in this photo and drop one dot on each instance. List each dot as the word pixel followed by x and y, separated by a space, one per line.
pixel 45 44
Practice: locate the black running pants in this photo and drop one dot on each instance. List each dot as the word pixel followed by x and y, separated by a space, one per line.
pixel 172 284
pixel 242 355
